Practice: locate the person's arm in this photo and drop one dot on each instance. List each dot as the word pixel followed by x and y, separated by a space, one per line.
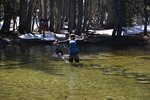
pixel 82 37
pixel 58 42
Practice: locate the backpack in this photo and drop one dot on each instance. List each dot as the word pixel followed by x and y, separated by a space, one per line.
pixel 73 46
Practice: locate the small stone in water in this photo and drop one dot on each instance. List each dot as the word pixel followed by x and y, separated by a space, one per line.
pixel 144 82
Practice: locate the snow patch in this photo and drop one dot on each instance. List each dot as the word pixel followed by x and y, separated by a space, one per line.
pixel 47 37
pixel 126 30
pixel 60 35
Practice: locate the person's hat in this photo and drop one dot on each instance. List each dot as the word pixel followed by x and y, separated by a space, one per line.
pixel 72 35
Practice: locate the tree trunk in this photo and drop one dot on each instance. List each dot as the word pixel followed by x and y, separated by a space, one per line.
pixel 119 19
pixel 14 17
pixel 80 15
pixel 43 9
pixel 60 10
pixel 26 11
pixel 111 15
pixel 74 12
pixel 29 15
pixel 7 17
pixel 89 14
pixel 146 18
pixel 85 15
pixel 72 4
pixel 23 15
pixel 51 15
pixel 43 19
pixel 102 13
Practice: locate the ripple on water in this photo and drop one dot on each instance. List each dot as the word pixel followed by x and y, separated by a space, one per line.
pixel 146 81
pixel 145 58
pixel 143 80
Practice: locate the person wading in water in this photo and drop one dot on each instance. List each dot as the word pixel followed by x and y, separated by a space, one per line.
pixel 73 49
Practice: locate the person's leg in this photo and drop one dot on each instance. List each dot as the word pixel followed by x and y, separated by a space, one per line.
pixel 71 58
pixel 77 58
pixel 59 52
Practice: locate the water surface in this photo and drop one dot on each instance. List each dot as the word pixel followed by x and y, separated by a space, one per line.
pixel 104 73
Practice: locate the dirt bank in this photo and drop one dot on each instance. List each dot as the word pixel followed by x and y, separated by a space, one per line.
pixel 97 39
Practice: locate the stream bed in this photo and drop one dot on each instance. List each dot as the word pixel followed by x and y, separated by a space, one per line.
pixel 104 73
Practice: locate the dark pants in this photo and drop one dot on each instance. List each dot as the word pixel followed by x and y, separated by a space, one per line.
pixel 59 51
pixel 74 57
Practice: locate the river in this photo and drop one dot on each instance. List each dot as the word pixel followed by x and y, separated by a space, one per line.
pixel 104 73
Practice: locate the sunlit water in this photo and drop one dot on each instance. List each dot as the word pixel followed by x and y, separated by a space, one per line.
pixel 35 73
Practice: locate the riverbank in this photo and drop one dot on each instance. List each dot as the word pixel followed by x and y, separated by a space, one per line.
pixel 135 40
pixel 96 39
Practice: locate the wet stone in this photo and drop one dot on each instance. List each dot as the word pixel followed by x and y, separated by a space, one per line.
pixel 98 67
pixel 145 58
pixel 142 78
pixel 140 75
pixel 120 73
pixel 115 68
pixel 105 70
pixel 144 82
pixel 130 75
pixel 95 67
pixel 109 98
pixel 109 73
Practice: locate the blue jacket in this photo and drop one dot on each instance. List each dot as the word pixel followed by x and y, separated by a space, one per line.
pixel 73 46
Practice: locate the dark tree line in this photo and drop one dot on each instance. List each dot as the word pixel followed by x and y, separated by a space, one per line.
pixel 78 15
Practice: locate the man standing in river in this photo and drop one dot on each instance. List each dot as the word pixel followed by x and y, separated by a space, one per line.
pixel 73 49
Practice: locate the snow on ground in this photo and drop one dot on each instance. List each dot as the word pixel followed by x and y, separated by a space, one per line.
pixel 64 31
pixel 11 26
pixel 60 35
pixel 103 32
pixel 136 30
pixel 48 36
pixel 1 23
pixel 127 31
